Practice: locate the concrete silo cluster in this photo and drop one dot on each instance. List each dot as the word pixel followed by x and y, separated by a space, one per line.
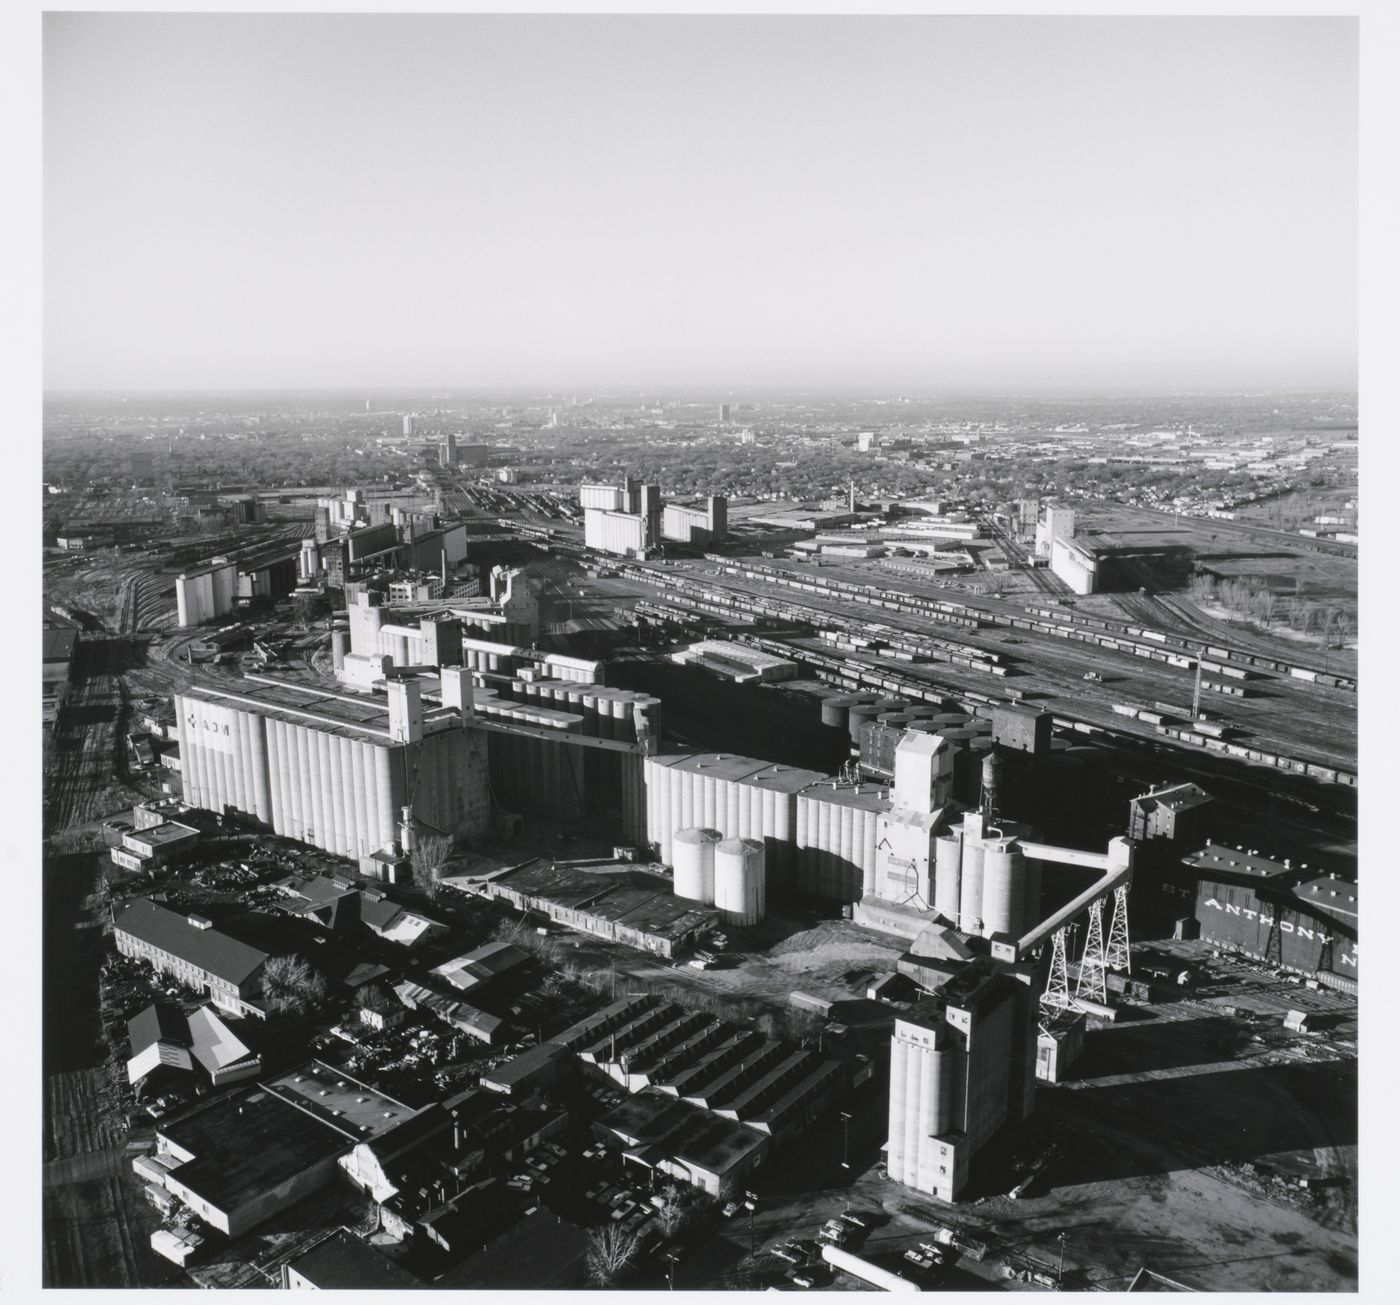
pixel 726 873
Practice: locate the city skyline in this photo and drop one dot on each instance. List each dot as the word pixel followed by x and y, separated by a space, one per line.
pixel 491 202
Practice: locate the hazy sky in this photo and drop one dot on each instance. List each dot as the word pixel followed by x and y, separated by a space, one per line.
pixel 286 201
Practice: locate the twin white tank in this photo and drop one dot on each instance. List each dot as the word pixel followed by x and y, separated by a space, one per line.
pixel 727 873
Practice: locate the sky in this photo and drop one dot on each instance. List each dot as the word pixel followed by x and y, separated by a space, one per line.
pixel 265 201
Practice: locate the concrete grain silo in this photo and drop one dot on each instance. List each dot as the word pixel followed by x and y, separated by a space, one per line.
pixel 693 852
pixel 740 887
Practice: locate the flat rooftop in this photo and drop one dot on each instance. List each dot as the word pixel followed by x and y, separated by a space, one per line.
pixel 59 642
pixel 1217 858
pixel 340 1101
pixel 164 834
pixel 345 714
pixel 1335 896
pixel 246 1144
pixel 730 768
pixel 343 1261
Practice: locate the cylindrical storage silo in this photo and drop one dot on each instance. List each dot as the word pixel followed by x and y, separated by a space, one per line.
pixel 860 715
pixel 980 726
pixel 947 876
pixel 951 719
pixel 340 645
pixel 923 727
pixel 834 711
pixel 693 862
pixel 893 704
pixel 900 718
pixel 1002 891
pixel 921 711
pixel 740 890
pixel 970 888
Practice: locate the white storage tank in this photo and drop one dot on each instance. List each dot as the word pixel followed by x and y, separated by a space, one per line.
pixel 947 876
pixel 693 854
pixel 970 887
pixel 739 889
pixel 1003 890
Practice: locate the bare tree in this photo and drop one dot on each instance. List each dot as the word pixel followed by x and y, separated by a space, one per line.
pixel 676 1211
pixel 430 851
pixel 610 1251
pixel 291 986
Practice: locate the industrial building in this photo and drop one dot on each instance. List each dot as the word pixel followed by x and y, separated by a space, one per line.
pixel 241 1159
pixel 190 949
pixel 625 520
pixel 143 849
pixel 1292 916
pixel 710 1096
pixel 207 595
pixel 737 662
pixel 353 776
pixel 838 832
pixel 167 1042
pixel 741 797
pixel 700 525
pixel 962 1066
pixel 1179 813
pixel 627 903
pixel 60 644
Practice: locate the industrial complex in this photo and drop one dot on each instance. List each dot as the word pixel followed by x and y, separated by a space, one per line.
pixel 614 885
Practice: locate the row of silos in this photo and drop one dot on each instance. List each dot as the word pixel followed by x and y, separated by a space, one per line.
pixel 837 835
pixel 742 797
pixel 926 1078
pixel 984 884
pixel 538 776
pixel 726 873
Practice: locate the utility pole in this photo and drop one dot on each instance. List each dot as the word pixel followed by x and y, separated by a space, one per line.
pixel 845 1139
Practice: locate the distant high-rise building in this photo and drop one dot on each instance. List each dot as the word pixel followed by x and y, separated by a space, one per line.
pixel 409 424
pixel 447 451
pixel 724 412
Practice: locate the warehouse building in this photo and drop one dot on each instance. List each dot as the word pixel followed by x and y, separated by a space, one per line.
pixel 626 903
pixel 241 1159
pixel 191 950
pixel 143 849
pixel 60 644
pixel 710 1097
pixel 737 662
pixel 350 775
pixel 1286 915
